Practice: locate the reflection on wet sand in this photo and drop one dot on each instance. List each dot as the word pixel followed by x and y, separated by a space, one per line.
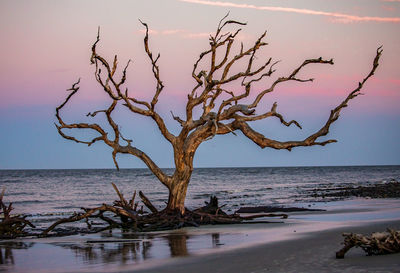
pixel 178 244
pixel 215 240
pixel 103 251
pixel 124 250
pixel 128 249
pixel 6 251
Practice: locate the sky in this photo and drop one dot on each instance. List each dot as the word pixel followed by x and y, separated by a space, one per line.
pixel 45 47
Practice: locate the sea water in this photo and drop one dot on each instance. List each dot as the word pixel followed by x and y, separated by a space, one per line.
pixel 45 194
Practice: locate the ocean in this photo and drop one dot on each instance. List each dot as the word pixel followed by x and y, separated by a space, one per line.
pixel 47 194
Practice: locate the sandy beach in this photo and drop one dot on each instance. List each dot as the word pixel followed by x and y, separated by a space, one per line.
pixel 311 252
pixel 306 243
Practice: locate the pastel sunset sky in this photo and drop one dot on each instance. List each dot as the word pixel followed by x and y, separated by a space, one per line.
pixel 45 47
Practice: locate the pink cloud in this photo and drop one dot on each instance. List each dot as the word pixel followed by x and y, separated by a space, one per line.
pixel 341 16
pixel 151 31
pixel 172 31
pixel 197 35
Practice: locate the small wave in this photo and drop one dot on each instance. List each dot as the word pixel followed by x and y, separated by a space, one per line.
pixel 158 192
pixel 6 181
pixel 201 196
pixel 28 202
pixel 48 214
pixel 259 189
pixel 66 207
pixel 19 193
pixel 144 175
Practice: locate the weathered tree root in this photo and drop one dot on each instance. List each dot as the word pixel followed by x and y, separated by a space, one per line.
pixel 377 244
pixel 11 226
pixel 131 218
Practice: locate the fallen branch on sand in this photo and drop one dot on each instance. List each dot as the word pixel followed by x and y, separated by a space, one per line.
pixel 377 244
pixel 11 226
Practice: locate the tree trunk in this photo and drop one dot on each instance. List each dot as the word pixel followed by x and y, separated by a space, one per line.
pixel 177 195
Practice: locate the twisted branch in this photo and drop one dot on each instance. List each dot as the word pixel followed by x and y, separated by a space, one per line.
pixel 263 142
pixel 113 88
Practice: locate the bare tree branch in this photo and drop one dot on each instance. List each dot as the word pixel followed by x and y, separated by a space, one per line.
pixel 114 144
pixel 291 77
pixel 271 113
pixel 263 142
pixel 155 68
pixel 178 119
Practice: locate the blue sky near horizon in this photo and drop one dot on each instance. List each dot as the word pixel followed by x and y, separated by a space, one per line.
pixel 46 47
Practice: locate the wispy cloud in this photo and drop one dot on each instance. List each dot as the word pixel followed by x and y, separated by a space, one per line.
pixel 340 16
pixel 151 31
pixel 197 35
pixel 172 31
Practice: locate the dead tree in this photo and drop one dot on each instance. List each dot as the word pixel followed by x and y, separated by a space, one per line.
pixel 222 110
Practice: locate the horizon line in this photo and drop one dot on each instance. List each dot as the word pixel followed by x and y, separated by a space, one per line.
pixel 220 167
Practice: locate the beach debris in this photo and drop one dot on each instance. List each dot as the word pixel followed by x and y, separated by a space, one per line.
pixel 378 243
pixel 11 226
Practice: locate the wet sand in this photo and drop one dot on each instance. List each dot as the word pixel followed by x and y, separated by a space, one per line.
pixel 305 242
pixel 307 252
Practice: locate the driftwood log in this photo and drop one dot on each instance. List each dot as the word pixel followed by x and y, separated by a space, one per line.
pixel 11 226
pixel 377 243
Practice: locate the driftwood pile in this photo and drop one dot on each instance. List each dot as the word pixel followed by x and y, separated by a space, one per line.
pixel 126 215
pixel 139 220
pixel 11 226
pixel 377 244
